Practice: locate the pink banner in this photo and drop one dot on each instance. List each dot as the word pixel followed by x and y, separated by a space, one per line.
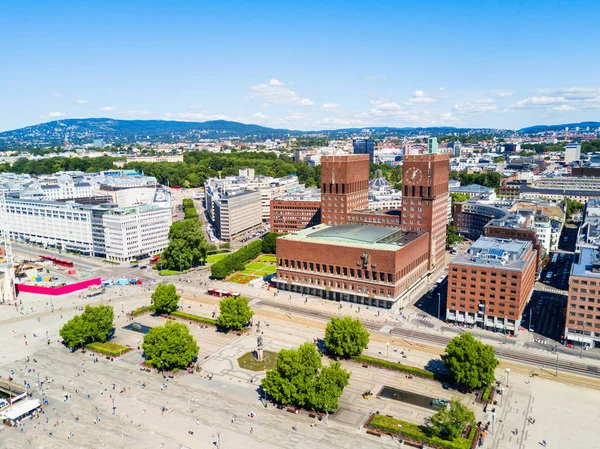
pixel 25 288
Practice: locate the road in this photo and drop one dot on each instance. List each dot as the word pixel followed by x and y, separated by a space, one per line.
pixel 83 262
pixel 442 341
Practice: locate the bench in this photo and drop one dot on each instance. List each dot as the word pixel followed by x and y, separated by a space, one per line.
pixel 373 432
pixel 411 444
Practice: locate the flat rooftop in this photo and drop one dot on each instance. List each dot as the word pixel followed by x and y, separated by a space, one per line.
pixel 355 236
pixel 495 252
pixel 587 262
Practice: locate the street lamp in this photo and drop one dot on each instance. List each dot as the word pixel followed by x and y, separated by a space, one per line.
pixel 162 368
pixel 507 376
pixel 439 302
pixel 387 346
pixel 218 440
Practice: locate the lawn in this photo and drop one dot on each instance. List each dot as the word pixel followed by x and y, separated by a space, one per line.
pixel 247 361
pixel 267 258
pixel 108 348
pixel 254 266
pixel 259 269
pixel 216 257
pixel 418 433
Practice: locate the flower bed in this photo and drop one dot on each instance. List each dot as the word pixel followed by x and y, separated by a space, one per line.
pixel 385 364
pixel 140 311
pixel 486 395
pixel 108 348
pixel 416 434
pixel 196 318
pixel 241 278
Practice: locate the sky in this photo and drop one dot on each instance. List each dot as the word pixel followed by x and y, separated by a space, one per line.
pixel 304 65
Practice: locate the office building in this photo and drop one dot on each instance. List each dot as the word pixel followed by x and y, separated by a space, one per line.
pixel 137 231
pixel 344 186
pixel 582 325
pixel 432 145
pixel 233 213
pixel 364 146
pixel 490 285
pixel 296 211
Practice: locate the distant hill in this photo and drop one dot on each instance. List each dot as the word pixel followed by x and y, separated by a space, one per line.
pixel 571 126
pixel 84 131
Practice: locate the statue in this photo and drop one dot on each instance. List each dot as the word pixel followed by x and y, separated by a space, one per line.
pixel 259 341
pixel 259 348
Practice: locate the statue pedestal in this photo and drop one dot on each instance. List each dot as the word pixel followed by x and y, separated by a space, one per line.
pixel 259 354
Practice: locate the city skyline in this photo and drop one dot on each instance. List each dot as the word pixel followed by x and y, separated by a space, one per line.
pixel 307 67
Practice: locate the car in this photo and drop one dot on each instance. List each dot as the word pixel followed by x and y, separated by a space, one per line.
pixel 143 267
pixel 135 265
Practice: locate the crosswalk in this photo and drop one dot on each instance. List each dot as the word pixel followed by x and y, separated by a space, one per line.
pixel 423 318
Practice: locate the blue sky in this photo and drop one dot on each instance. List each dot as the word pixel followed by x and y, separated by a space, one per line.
pixel 302 64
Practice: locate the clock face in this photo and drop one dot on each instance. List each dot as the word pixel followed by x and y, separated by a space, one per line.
pixel 414 175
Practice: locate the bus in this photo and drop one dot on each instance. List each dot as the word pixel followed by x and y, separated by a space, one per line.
pixel 56 261
pixel 154 260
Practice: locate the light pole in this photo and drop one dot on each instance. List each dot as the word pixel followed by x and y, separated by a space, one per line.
pixel 439 303
pixel 557 363
pixel 218 440
pixel 47 339
pixel 122 308
pixel 493 421
pixel 326 415
pixel 162 368
pixel 113 405
pixel 507 376
pixel 387 347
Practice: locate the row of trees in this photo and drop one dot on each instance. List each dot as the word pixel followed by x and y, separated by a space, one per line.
pixel 491 179
pixel 189 210
pixel 236 261
pixel 56 164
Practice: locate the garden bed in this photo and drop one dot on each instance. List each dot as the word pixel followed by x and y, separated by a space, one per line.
pixel 108 348
pixel 386 364
pixel 239 278
pixel 196 318
pixel 140 311
pixel 415 433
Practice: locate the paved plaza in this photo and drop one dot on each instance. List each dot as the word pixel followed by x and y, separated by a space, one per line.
pixel 565 415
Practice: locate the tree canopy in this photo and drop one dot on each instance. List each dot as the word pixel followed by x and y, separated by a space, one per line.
pixel 269 243
pixel 572 207
pixel 236 261
pixel 346 337
pixel 449 423
pixel 171 344
pixel 187 246
pixel 93 325
pixel 457 197
pixel 165 298
pixel 452 236
pixel 299 379
pixel 470 362
pixel 235 313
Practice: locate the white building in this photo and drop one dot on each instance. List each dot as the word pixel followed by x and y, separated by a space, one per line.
pixel 572 152
pixel 132 232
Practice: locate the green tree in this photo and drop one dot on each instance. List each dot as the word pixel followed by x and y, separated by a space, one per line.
pixel 269 243
pixel 452 236
pixel 171 346
pixel 94 324
pixel 572 207
pixel 346 337
pixel 470 362
pixel 299 378
pixel 235 313
pixel 187 245
pixel 458 198
pixel 165 298
pixel 450 422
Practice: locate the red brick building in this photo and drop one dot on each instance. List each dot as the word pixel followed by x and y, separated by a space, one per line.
pixel 295 212
pixel 490 285
pixel 344 186
pixel 369 264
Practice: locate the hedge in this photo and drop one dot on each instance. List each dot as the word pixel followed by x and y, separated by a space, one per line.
pixel 236 261
pixel 196 318
pixel 419 372
pixel 169 272
pixel 108 348
pixel 418 433
pixel 141 310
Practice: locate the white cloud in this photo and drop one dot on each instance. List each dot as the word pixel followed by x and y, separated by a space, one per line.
pixel 295 116
pixel 53 115
pixel 260 115
pixel 385 108
pixel 475 107
pixel 500 93
pixel 81 102
pixel 342 122
pixel 562 100
pixel 329 106
pixel 274 92
pixel 197 116
pixel 420 98
pixel 447 118
pixel 107 108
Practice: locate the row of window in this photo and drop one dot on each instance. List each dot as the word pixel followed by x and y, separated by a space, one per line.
pixel 335 284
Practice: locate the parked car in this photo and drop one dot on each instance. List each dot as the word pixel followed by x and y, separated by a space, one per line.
pixel 143 267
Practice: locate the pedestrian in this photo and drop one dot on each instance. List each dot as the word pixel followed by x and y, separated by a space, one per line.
pixel 544 443
pixel 251 430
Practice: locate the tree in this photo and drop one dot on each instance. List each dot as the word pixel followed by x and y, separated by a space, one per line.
pixel 269 243
pixel 452 236
pixel 235 313
pixel 187 245
pixel 458 198
pixel 94 324
pixel 165 298
pixel 470 362
pixel 450 422
pixel 170 346
pixel 299 378
pixel 572 207
pixel 346 337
